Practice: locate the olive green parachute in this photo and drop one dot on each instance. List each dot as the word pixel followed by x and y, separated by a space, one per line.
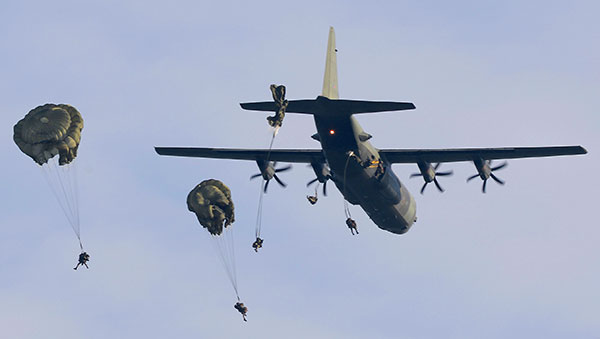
pixel 211 202
pixel 49 130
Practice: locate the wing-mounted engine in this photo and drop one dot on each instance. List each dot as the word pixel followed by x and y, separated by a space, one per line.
pixel 323 174
pixel 485 171
pixel 268 172
pixel 429 174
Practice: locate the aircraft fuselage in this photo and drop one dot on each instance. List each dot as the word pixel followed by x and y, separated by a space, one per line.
pixel 361 175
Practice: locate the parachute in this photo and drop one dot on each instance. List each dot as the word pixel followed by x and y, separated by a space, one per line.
pixel 211 202
pixel 47 131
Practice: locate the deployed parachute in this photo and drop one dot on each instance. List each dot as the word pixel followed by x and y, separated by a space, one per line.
pixel 211 202
pixel 47 131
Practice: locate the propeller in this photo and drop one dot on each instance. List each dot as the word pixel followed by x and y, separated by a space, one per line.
pixel 485 171
pixel 268 172
pixel 430 174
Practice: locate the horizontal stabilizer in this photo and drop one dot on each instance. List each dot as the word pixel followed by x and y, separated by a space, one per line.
pixel 294 106
pixel 325 106
pixel 358 106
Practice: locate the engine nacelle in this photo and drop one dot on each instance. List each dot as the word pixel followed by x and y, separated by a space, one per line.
pixel 267 169
pixel 321 171
pixel 427 171
pixel 483 168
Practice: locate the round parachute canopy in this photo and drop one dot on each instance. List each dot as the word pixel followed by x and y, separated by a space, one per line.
pixel 49 130
pixel 211 202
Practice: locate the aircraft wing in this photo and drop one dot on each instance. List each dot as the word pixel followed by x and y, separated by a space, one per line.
pixel 470 154
pixel 284 155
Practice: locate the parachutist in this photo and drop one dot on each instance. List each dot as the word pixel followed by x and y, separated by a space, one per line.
pixel 83 259
pixel 352 225
pixel 242 309
pixel 312 199
pixel 279 97
pixel 257 244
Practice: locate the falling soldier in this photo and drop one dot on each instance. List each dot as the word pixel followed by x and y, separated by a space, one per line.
pixel 257 244
pixel 242 309
pixel 83 259
pixel 352 225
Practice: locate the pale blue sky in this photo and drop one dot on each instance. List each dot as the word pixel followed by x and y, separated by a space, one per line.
pixel 520 261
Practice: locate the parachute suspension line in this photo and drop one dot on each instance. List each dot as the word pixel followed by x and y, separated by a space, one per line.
pixel 55 181
pixel 63 185
pixel 54 190
pixel 223 245
pixel 67 181
pixel 72 174
pixel 232 251
pixel 260 209
pixel 346 208
pixel 69 177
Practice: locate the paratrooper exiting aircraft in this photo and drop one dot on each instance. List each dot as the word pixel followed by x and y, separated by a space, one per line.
pixel 361 172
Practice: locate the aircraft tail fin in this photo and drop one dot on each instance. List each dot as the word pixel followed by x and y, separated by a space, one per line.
pixel 329 103
pixel 330 80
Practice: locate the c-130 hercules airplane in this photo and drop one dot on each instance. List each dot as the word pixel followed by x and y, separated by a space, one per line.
pixel 361 172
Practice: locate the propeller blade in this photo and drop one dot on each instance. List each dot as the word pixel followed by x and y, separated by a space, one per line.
pixel 500 166
pixel 255 176
pixel 279 181
pixel 266 185
pixel 443 174
pixel 437 184
pixel 283 169
pixel 423 188
pixel 496 179
pixel 483 187
pixel 472 177
pixel 415 175
pixel 325 188
pixel 437 165
pixel 312 182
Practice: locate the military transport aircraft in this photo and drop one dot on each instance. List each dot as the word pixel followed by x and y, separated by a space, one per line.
pixel 361 172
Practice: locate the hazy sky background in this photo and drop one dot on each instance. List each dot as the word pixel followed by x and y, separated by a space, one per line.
pixel 520 261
